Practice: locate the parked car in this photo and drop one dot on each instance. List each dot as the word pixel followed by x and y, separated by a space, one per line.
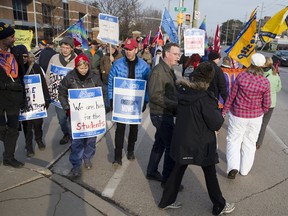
pixel 281 56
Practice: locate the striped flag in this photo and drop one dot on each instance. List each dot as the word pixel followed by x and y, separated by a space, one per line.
pixel 158 36
pixel 147 39
pixel 78 32
pixel 217 46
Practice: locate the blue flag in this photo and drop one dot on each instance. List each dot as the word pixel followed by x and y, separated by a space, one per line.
pixel 203 27
pixel 78 32
pixel 169 27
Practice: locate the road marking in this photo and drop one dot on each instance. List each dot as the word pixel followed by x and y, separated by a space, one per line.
pixel 114 181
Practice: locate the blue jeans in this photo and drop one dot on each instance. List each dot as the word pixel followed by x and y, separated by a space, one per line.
pixel 82 149
pixel 164 125
pixel 63 120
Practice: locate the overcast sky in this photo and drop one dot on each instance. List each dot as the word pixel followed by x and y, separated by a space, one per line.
pixel 219 11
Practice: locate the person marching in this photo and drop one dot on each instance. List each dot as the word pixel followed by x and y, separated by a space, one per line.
pixel 80 77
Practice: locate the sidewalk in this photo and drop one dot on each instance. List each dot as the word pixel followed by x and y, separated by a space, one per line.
pixel 35 190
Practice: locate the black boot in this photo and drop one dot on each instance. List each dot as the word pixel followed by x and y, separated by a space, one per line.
pixel 65 139
pixel 41 145
pixel 118 157
pixel 29 150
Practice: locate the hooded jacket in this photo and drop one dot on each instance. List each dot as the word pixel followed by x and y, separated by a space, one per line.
pixel 198 117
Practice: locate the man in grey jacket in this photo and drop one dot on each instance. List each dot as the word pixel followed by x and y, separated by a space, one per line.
pixel 163 104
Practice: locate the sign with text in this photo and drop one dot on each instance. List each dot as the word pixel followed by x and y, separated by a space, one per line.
pixel 23 37
pixel 108 29
pixel 194 41
pixel 87 110
pixel 35 98
pixel 57 73
pixel 128 99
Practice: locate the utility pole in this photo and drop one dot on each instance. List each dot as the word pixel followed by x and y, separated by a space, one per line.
pixel 181 3
pixel 259 23
pixel 35 23
pixel 196 13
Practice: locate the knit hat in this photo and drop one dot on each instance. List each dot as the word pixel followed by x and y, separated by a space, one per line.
pixel 67 40
pixel 79 58
pixel 203 73
pixel 213 55
pixel 76 43
pixel 43 42
pixel 94 42
pixel 5 30
pixel 130 44
pixel 22 49
pixel 258 59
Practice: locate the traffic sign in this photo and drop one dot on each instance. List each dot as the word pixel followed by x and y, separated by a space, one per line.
pixel 180 9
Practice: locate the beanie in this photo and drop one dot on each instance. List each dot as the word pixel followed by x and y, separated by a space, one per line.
pixel 81 57
pixel 43 42
pixel 76 43
pixel 258 60
pixel 67 40
pixel 213 55
pixel 5 30
pixel 22 49
pixel 203 73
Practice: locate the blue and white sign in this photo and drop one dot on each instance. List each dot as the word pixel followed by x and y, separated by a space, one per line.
pixel 194 41
pixel 35 98
pixel 108 29
pixel 128 95
pixel 57 73
pixel 87 110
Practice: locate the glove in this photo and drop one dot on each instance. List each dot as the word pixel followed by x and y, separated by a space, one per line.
pixel 47 103
pixel 144 107
pixel 68 113
pixel 14 86
pixel 111 105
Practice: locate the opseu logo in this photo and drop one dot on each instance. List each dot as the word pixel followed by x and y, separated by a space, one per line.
pixel 27 81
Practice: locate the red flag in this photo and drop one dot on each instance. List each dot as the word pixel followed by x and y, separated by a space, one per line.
pixel 158 36
pixel 217 47
pixel 147 39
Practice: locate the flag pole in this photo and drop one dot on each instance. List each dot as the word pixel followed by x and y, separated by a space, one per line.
pixel 68 28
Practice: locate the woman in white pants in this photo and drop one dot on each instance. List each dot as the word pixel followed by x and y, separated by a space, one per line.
pixel 248 101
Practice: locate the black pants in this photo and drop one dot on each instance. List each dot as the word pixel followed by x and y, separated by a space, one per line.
pixel 119 139
pixel 9 125
pixel 174 181
pixel 28 126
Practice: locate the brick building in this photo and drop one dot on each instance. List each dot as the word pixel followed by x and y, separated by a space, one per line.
pixel 52 16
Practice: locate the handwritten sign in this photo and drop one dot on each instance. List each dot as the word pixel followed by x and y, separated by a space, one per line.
pixel 128 95
pixel 108 29
pixel 57 73
pixel 35 98
pixel 194 41
pixel 23 37
pixel 88 118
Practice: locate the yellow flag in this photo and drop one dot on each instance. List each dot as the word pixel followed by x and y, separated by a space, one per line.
pixel 24 37
pixel 275 26
pixel 244 46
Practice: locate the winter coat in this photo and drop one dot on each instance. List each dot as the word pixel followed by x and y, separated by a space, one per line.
pixel 198 117
pixel 275 85
pixel 120 69
pixel 162 90
pixel 105 65
pixel 94 60
pixel 45 56
pixel 218 84
pixel 72 81
pixel 146 57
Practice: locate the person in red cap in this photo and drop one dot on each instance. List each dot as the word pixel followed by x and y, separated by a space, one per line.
pixel 80 77
pixel 11 93
pixel 132 67
pixel 78 47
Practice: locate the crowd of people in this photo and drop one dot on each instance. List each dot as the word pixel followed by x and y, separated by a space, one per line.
pixel 185 112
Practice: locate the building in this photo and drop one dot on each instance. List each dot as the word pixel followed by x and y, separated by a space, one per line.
pixel 52 16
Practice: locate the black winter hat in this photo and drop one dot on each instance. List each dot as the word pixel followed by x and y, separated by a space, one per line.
pixel 22 48
pixel 213 55
pixel 67 40
pixel 5 30
pixel 203 73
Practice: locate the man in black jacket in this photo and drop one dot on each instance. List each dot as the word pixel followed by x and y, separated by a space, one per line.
pixel 11 94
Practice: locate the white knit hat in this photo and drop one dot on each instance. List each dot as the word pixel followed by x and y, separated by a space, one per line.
pixel 258 59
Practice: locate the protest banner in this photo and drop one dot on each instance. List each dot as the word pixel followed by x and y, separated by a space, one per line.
pixel 128 100
pixel 23 37
pixel 35 98
pixel 87 110
pixel 194 41
pixel 108 29
pixel 57 73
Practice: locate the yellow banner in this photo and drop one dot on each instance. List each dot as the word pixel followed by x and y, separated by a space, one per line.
pixel 275 26
pixel 23 37
pixel 244 46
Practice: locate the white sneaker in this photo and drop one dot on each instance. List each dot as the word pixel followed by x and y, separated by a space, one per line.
pixel 229 207
pixel 174 205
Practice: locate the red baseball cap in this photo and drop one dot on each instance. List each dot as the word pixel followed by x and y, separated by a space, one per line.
pixel 79 58
pixel 130 44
